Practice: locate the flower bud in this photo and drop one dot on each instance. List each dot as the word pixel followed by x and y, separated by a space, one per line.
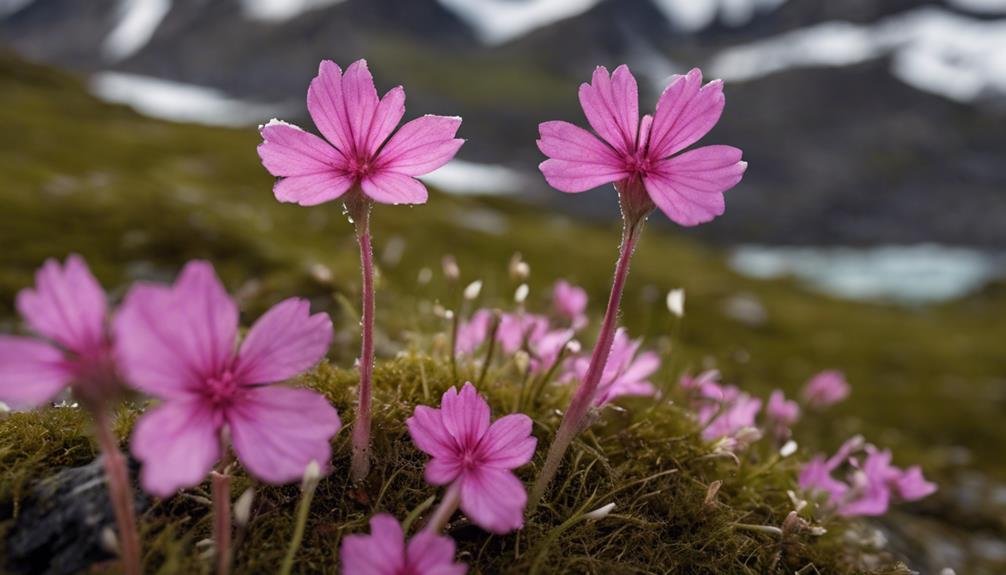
pixel 676 302
pixel 473 290
pixel 600 512
pixel 451 270
pixel 242 507
pixel 520 295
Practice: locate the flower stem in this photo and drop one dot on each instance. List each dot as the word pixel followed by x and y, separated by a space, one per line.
pixel 493 331
pixel 579 405
pixel 120 492
pixel 220 482
pixel 448 505
pixel 360 466
pixel 307 495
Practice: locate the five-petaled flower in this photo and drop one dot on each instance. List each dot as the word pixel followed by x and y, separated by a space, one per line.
pixel 177 344
pixel 475 457
pixel 358 153
pixel 385 552
pixel 68 308
pixel 643 156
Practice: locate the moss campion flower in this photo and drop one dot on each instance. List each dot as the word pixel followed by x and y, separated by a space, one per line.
pixel 475 458
pixel 385 552
pixel 360 161
pixel 643 157
pixel 177 344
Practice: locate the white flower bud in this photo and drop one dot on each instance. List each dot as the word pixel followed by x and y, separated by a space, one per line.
pixel 522 360
pixel 676 302
pixel 425 275
pixel 520 295
pixel 789 448
pixel 242 507
pixel 573 346
pixel 600 512
pixel 451 270
pixel 473 290
pixel 312 473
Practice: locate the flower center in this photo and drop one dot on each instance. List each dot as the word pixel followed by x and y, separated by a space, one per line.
pixel 361 167
pixel 221 389
pixel 470 459
pixel 638 164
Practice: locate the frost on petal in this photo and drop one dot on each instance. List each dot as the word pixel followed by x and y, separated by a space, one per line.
pixel 67 305
pixel 465 415
pixel 574 177
pixel 286 150
pixel 426 427
pixel 178 443
pixel 380 553
pixel 31 372
pixel 567 146
pixel 611 105
pixel 283 343
pixel 277 431
pixel 433 554
pixel 493 499
pixel 689 188
pixel 389 113
pixel 170 339
pixel 686 111
pixel 421 146
pixel 508 443
pixel 312 189
pixel 327 108
pixel 394 188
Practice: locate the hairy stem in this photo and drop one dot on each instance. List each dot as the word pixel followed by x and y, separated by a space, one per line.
pixel 579 405
pixel 120 492
pixel 220 483
pixel 448 505
pixel 360 465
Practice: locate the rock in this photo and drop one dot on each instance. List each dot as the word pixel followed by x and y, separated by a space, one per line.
pixel 60 524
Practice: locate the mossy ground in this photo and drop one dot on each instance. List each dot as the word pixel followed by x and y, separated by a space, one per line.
pixel 138 197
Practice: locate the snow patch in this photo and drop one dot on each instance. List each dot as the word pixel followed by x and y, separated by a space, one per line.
pixel 469 178
pixel 498 21
pixel 696 15
pixel 281 10
pixel 981 6
pixel 954 56
pixel 915 274
pixel 137 22
pixel 180 102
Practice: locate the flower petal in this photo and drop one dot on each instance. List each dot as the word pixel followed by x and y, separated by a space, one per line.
pixel 380 553
pixel 689 188
pixel 508 444
pixel 360 99
pixel 426 427
pixel 178 444
pixel 67 305
pixel 574 177
pixel 421 146
pixel 394 188
pixel 465 415
pixel 287 150
pixel 31 372
pixel 433 554
pixel 283 343
pixel 611 105
pixel 277 431
pixel 578 160
pixel 169 340
pixel 493 499
pixel 312 189
pixel 686 111
pixel 441 471
pixel 327 108
pixel 386 118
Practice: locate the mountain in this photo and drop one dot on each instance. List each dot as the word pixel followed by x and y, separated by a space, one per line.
pixel 864 121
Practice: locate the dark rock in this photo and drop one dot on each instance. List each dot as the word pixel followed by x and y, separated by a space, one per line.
pixel 59 527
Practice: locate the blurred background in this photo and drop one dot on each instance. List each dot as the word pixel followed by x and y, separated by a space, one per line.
pixel 867 235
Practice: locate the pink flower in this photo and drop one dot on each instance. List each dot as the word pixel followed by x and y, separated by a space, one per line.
pixel 475 456
pixel 473 332
pixel 688 187
pixel 178 344
pixel 826 389
pixel 870 486
pixel 67 307
pixel 781 413
pixel 385 552
pixel 358 152
pixel 625 374
pixel 705 384
pixel 515 331
pixel 738 411
pixel 570 302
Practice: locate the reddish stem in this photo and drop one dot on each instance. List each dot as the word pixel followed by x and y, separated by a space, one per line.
pixel 221 488
pixel 360 465
pixel 574 419
pixel 448 505
pixel 120 492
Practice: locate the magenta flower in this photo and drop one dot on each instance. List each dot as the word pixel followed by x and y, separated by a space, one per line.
pixel 475 458
pixel 626 372
pixel 826 389
pixel 637 155
pixel 516 330
pixel 358 153
pixel 570 302
pixel 735 412
pixel 871 485
pixel 385 552
pixel 67 307
pixel 781 413
pixel 177 344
